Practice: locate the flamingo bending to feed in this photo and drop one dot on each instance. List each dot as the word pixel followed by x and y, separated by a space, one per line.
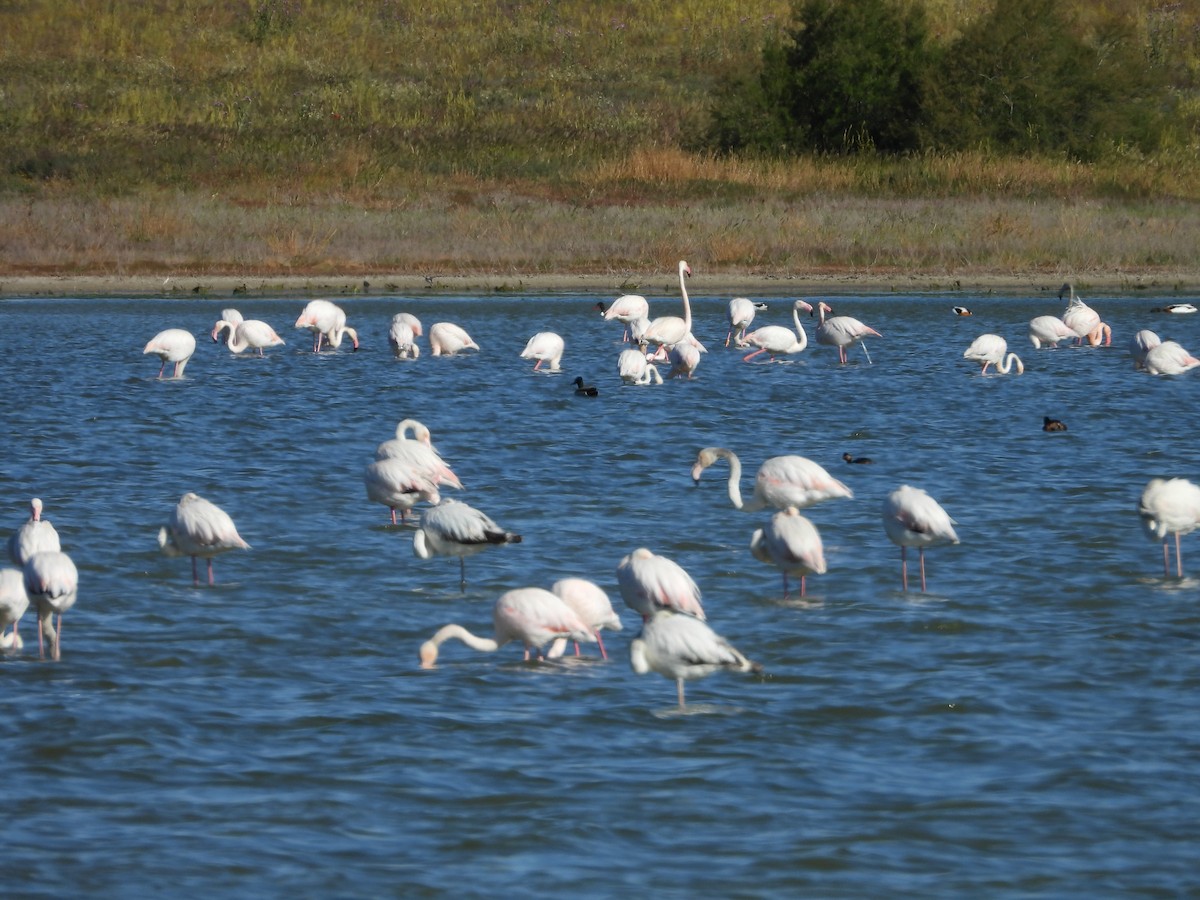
pixel 990 350
pixel 545 347
pixel 1048 331
pixel 782 481
pixel 533 616
pixel 841 331
pixel 588 601
pixel 327 321
pixel 1169 358
pixel 35 535
pixel 681 647
pixel 1141 344
pixel 667 330
pixel 398 485
pixel 741 314
pixel 626 309
pixel 912 518
pixel 249 334
pixel 792 544
pixel 418 452
pixel 777 340
pixel 403 341
pixel 684 359
pixel 650 582
pixel 1082 319
pixel 1167 507
pixel 51 581
pixel 634 368
pixel 199 528
pixel 452 528
pixel 231 317
pixel 13 603
pixel 447 339
pixel 172 346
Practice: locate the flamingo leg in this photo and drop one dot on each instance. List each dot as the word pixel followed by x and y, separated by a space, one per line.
pixel 1178 557
pixel 58 639
pixel 904 566
pixel 393 515
pixel 921 554
pixel 748 356
pixel 462 573
pixel 1166 560
pixel 785 586
pixel 177 370
pixel 679 690
pixel 802 586
pixel 195 573
pixel 603 652
pixel 210 571
pixel 161 368
pixel 41 651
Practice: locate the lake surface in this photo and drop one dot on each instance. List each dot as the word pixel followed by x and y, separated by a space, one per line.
pixel 1030 727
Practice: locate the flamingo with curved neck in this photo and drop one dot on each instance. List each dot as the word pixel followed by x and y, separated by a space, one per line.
pixel 667 330
pixel 251 334
pixel 782 481
pixel 841 331
pixel 775 339
pixel 990 350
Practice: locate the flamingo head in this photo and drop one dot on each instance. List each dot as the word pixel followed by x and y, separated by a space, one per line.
pixel 35 509
pixel 804 305
pixel 822 308
pixel 685 269
pixel 428 655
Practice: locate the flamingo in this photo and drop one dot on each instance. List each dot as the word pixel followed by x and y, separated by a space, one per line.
pixel 912 518
pixel 1170 506
pixel 404 318
pixel 13 603
pixel 989 349
pixel 447 339
pixel 667 330
pixel 327 321
pixel 199 528
pixel 51 581
pixel 34 536
pixel 1169 358
pixel 1141 344
pixel 588 601
pixel 682 647
pixel 249 334
pixel 777 340
pixel 634 368
pixel 626 309
pixel 841 331
pixel 1048 331
pixel 782 481
pixel 397 484
pixel 545 347
pixel 792 544
pixel 650 582
pixel 452 528
pixel 1082 319
pixel 585 390
pixel 533 616
pixel 232 316
pixel 172 346
pixel 419 453
pixel 684 359
pixel 402 339
pixel 741 314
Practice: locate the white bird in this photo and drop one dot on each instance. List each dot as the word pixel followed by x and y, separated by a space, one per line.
pixel 912 518
pixel 649 582
pixel 588 601
pixel 777 340
pixel 13 603
pixel 51 582
pixel 1141 344
pixel 231 317
pixel 667 330
pixel 398 485
pixel 684 359
pixel 533 616
pixel 327 321
pixel 34 536
pixel 841 331
pixel 1169 358
pixel 1048 331
pixel 626 309
pixel 453 528
pixel 447 339
pixel 402 339
pixel 634 368
pixel 418 452
pixel 990 349
pixel 792 544
pixel 681 647
pixel 741 314
pixel 1176 308
pixel 545 347
pixel 172 346
pixel 249 334
pixel 782 481
pixel 199 528
pixel 411 321
pixel 1082 319
pixel 1170 506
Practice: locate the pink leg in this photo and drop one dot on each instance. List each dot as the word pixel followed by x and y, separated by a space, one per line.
pixel 802 586
pixel 393 515
pixel 921 553
pixel 603 653
pixel 162 368
pixel 747 357
pixel 195 573
pixel 1166 560
pixel 210 571
pixel 1178 557
pixel 41 651
pixel 904 566
pixel 58 639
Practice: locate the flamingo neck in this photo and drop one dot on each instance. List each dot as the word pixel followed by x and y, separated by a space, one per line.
pixel 687 307
pixel 735 478
pixel 237 341
pixel 800 332
pixel 1005 365
pixel 429 650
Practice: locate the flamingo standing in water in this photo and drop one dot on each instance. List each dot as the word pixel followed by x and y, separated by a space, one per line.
pixel 249 334
pixel 626 309
pixel 533 616
pixel 782 481
pixel 172 346
pixel 792 544
pixel 447 339
pixel 588 601
pixel 1170 506
pixel 634 368
pixel 1141 344
pixel 1048 331
pixel 403 341
pixel 667 330
pixel 398 485
pixel 230 316
pixel 51 582
pixel 912 518
pixel 777 340
pixel 327 321
pixel 418 452
pixel 34 536
pixel 650 582
pixel 681 647
pixel 841 331
pixel 13 604
pixel 990 350
pixel 199 528
pixel 741 314
pixel 452 528
pixel 684 358
pixel 1082 319
pixel 1169 358
pixel 545 347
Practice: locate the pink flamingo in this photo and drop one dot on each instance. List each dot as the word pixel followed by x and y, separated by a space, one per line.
pixel 327 321
pixel 667 330
pixel 777 340
pixel 1170 506
pixel 51 581
pixel 34 536
pixel 1048 331
pixel 792 544
pixel 782 481
pixel 418 452
pixel 1141 344
pixel 199 528
pixel 650 582
pixel 741 314
pixel 681 647
pixel 990 350
pixel 447 339
pixel 588 601
pixel 841 331
pixel 912 518
pixel 13 604
pixel 1169 358
pixel 545 347
pixel 684 359
pixel 626 309
pixel 249 334
pixel 172 346
pixel 398 485
pixel 634 368
pixel 1083 321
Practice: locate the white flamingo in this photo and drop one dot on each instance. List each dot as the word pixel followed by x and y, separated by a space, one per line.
pixel 414 324
pixel 545 347
pixel 51 582
pixel 684 359
pixel 402 338
pixel 327 321
pixel 912 518
pixel 634 368
pixel 588 601
pixel 34 536
pixel 200 529
pixel 776 340
pixel 782 481
pixel 398 485
pixel 231 317
pixel 1169 358
pixel 1170 506
pixel 741 314
pixel 792 544
pixel 418 452
pixel 626 309
pixel 249 334
pixel 448 339
pixel 13 604
pixel 533 616
pixel 452 528
pixel 1047 331
pixel 172 346
pixel 1082 319
pixel 667 330
pixel 681 647
pixel 649 582
pixel 841 331
pixel 990 349
pixel 1141 344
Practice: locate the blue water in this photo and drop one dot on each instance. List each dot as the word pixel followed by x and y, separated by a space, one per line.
pixel 1027 728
